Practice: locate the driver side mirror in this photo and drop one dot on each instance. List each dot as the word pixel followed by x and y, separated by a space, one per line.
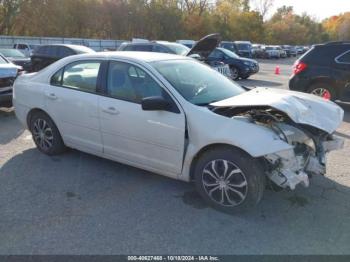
pixel 155 103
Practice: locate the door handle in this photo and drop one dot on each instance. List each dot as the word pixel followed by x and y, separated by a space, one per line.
pixel 51 96
pixel 111 110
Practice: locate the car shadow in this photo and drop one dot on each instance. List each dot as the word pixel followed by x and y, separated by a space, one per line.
pixel 75 193
pixel 10 127
pixel 32 176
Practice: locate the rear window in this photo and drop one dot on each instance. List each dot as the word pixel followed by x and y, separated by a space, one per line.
pixel 323 55
pixel 344 58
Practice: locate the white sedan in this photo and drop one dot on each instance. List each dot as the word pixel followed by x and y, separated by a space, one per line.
pixel 177 117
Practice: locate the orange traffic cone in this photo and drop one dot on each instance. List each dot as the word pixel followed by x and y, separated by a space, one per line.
pixel 277 70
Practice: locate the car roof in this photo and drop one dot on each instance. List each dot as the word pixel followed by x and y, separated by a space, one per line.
pixel 135 55
pixel 79 48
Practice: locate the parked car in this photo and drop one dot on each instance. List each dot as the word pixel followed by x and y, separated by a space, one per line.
pixel 177 117
pixel 47 54
pixel 324 71
pixel 281 52
pixel 16 57
pixel 240 67
pixel 26 49
pixel 199 51
pixel 8 74
pixel 188 43
pixel 155 46
pixel 300 50
pixel 290 50
pixel 229 46
pixel 257 51
pixel 244 48
pixel 271 52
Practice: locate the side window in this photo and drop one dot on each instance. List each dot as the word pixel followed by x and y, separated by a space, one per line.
pixel 42 51
pixel 160 49
pixel 56 79
pixel 64 51
pixel 130 83
pixel 216 54
pixel 128 48
pixel 81 75
pixel 143 48
pixel 344 58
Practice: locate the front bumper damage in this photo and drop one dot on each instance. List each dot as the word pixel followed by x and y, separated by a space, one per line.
pixel 291 168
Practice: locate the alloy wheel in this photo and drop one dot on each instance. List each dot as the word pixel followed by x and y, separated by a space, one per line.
pixel 322 92
pixel 224 183
pixel 234 73
pixel 42 134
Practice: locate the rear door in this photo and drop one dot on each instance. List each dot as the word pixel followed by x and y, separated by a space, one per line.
pixel 342 75
pixel 72 102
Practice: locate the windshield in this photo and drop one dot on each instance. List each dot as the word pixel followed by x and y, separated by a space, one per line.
pixel 229 53
pixel 11 53
pixel 228 46
pixel 179 49
pixel 245 47
pixel 2 60
pixel 196 82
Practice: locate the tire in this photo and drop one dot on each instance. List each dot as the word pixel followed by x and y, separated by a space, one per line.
pixel 245 77
pixel 248 177
pixel 45 134
pixel 234 73
pixel 323 90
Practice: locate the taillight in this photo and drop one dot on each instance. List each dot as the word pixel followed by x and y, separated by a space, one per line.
pixel 299 67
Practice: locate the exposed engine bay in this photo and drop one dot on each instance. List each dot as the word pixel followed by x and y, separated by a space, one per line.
pixel 289 168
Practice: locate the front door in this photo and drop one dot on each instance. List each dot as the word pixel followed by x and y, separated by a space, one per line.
pixel 153 140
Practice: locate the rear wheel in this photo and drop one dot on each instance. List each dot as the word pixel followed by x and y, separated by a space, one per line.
pixel 323 90
pixel 234 73
pixel 46 135
pixel 229 180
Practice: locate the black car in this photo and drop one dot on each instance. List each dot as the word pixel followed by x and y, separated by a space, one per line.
pixel 155 46
pixel 200 51
pixel 48 54
pixel 290 50
pixel 324 71
pixel 240 67
pixel 229 45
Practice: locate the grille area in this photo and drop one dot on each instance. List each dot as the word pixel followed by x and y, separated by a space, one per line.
pixel 7 81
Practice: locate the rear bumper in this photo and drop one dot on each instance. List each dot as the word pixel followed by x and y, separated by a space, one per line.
pixel 297 83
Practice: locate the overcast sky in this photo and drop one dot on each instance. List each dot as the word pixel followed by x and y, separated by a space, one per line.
pixel 319 8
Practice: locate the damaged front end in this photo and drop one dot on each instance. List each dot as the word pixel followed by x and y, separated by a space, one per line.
pixel 310 145
pixel 308 156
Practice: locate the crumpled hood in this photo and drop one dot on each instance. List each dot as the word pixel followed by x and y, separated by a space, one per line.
pixel 300 107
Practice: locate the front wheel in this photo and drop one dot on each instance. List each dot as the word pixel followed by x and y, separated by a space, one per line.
pixel 229 180
pixel 234 73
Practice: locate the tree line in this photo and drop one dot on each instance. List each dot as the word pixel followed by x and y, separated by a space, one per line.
pixel 168 20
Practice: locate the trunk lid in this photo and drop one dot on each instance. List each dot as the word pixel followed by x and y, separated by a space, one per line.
pixel 205 46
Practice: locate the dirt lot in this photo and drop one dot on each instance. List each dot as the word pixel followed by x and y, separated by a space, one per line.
pixel 81 204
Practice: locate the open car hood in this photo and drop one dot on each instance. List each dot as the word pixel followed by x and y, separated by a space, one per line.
pixel 205 46
pixel 300 107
